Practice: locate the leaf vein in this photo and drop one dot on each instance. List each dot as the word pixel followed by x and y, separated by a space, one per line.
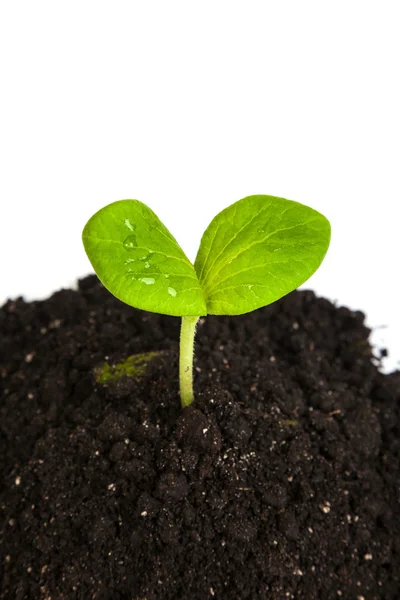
pixel 242 250
pixel 233 238
pixel 208 254
pixel 275 262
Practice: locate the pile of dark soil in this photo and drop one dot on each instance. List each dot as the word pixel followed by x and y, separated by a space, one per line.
pixel 282 481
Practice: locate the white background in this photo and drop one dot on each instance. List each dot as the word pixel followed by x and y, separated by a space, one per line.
pixel 189 106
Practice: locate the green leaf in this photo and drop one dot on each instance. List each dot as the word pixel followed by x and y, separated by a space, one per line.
pixel 258 250
pixel 139 261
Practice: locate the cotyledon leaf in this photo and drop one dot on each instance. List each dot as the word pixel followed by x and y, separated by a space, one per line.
pixel 139 261
pixel 258 250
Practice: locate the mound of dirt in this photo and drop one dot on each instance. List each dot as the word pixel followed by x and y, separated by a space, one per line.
pixel 280 481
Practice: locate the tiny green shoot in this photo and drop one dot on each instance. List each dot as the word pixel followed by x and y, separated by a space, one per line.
pixel 253 252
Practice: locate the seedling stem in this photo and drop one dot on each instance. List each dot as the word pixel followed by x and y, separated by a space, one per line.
pixel 188 329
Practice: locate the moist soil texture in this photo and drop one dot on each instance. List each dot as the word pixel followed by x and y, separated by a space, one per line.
pixel 280 481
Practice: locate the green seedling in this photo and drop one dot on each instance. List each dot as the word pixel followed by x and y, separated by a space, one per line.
pixel 252 253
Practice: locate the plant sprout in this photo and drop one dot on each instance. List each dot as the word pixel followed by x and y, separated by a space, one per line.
pixel 252 253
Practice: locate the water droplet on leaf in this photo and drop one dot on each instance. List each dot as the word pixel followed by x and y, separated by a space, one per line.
pixel 147 280
pixel 129 225
pixel 135 253
pixel 130 242
pixel 171 291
